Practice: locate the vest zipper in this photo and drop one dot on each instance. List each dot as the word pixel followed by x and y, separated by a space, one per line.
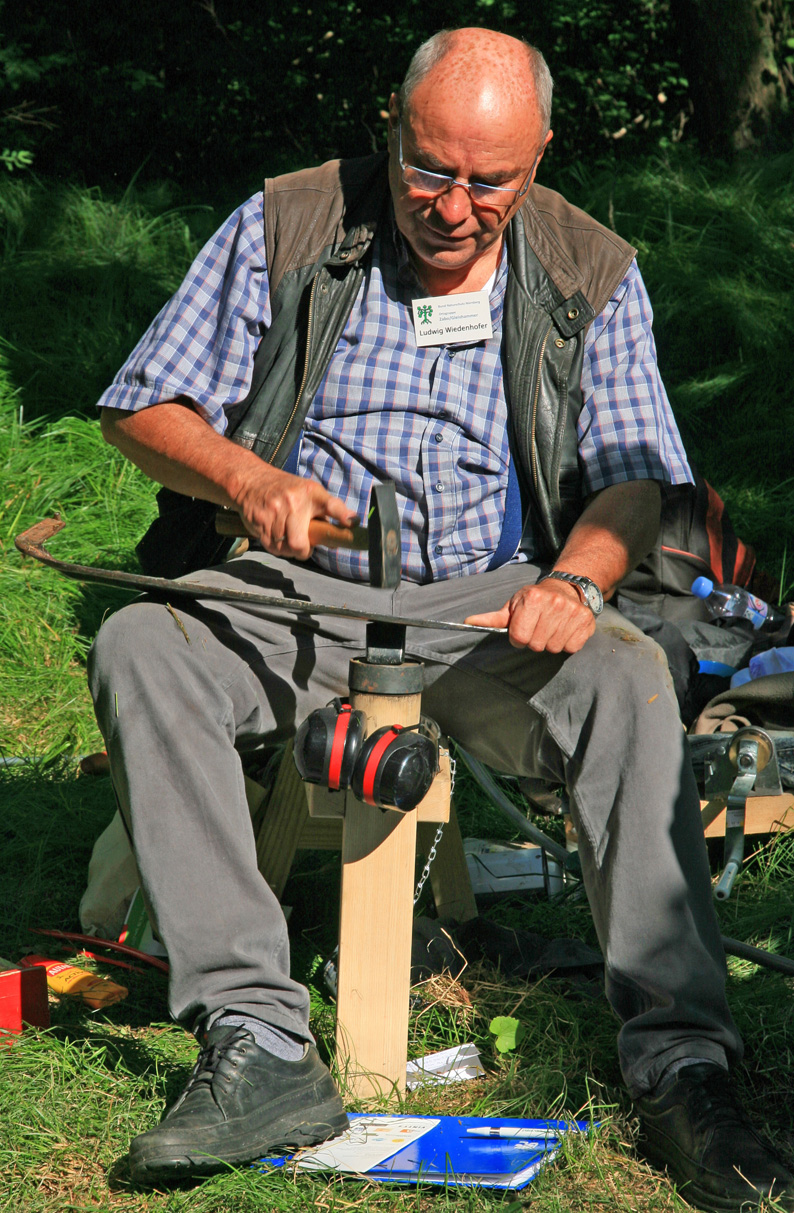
pixel 305 369
pixel 532 458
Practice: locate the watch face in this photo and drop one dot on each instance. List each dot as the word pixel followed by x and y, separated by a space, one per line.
pixel 594 598
pixel 592 594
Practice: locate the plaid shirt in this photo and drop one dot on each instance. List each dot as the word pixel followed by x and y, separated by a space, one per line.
pixel 433 420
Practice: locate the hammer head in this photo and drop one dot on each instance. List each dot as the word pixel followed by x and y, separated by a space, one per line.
pixel 385 547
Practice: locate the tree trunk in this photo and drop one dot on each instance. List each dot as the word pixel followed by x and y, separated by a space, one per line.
pixel 730 51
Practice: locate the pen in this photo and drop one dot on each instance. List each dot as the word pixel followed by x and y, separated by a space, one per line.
pixel 507 1131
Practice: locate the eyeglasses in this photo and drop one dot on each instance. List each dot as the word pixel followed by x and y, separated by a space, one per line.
pixel 433 185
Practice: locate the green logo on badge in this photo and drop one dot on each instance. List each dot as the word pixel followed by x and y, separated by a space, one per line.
pixel 424 312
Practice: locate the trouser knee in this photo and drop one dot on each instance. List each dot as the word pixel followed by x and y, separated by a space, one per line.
pixel 138 653
pixel 630 667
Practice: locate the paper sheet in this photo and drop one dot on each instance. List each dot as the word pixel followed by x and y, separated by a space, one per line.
pixel 368 1141
pixel 451 1065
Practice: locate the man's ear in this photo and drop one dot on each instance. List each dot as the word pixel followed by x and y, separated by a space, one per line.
pixel 394 113
pixel 546 143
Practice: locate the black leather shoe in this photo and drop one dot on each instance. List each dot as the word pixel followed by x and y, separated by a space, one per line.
pixel 698 1130
pixel 240 1103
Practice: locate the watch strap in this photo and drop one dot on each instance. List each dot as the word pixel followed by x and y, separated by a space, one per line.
pixel 581 584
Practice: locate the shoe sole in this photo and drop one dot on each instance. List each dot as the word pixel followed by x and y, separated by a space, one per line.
pixel 690 1189
pixel 288 1132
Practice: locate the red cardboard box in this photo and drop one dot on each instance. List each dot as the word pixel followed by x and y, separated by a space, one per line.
pixel 23 1000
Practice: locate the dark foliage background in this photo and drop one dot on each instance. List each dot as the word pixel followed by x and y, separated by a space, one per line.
pixel 128 130
pixel 205 92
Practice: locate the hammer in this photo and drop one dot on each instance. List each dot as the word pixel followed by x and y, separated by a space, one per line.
pixel 380 537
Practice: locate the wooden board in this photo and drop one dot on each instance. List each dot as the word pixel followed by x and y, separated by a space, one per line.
pixel 279 825
pixel 375 934
pixel 321 834
pixel 379 860
pixel 764 815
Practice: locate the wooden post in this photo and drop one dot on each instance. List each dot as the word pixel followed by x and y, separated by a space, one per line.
pixel 375 928
pixel 449 873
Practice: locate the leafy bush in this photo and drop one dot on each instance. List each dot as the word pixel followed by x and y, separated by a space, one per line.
pixel 207 94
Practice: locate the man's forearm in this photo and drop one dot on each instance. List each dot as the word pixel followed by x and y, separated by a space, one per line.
pixel 617 529
pixel 174 446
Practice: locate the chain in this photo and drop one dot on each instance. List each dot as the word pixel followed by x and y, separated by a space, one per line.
pixel 426 869
pixel 432 854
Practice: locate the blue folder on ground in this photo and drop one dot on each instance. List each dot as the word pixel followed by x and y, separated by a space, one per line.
pixel 457 1151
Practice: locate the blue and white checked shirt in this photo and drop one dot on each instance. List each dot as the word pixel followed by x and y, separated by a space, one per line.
pixel 433 420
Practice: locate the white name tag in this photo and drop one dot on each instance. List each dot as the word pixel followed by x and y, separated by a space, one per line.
pixel 448 319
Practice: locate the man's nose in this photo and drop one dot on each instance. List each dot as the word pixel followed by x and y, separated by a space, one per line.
pixel 454 205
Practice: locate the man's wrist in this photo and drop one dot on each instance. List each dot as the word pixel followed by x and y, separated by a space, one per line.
pixel 589 592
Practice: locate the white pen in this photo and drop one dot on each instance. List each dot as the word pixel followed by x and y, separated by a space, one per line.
pixel 508 1131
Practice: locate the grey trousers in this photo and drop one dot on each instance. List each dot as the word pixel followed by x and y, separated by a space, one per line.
pixel 180 691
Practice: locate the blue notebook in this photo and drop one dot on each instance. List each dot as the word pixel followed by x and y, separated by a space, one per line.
pixel 457 1151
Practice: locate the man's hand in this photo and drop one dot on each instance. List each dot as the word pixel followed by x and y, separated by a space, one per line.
pixel 548 617
pixel 276 508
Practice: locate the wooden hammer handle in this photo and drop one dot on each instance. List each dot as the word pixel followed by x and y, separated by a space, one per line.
pixel 321 533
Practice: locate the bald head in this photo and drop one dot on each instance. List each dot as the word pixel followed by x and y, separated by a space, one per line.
pixel 495 73
pixel 473 111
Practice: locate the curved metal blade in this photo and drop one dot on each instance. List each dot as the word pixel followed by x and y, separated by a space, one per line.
pixel 31 543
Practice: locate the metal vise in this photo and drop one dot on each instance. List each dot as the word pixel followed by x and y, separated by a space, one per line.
pixel 746 766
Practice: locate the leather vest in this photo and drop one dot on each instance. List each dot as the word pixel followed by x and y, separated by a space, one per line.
pixel 563 267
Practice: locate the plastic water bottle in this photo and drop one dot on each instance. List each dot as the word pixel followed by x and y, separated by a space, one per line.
pixel 733 602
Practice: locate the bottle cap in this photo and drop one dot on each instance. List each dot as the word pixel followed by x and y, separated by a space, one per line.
pixel 702 587
pixel 717 667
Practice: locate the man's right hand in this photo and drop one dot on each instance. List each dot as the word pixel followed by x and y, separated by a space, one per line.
pixel 277 507
pixel 174 446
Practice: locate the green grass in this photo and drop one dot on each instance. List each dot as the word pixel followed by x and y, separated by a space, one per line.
pixel 83 276
pixel 72 1097
pixel 46 623
pixel 716 250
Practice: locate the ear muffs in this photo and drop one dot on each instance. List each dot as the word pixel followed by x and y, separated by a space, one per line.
pixel 327 744
pixel 392 769
pixel 396 766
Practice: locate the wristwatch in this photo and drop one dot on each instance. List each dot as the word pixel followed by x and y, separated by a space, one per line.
pixel 591 595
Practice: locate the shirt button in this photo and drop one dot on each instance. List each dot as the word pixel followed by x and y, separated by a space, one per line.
pixel 438 437
pixel 439 550
pixel 439 487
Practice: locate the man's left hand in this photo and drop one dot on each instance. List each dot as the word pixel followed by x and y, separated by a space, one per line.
pixel 548 617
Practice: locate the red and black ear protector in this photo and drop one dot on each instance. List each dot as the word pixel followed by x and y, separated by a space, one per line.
pixel 396 765
pixel 393 768
pixel 327 744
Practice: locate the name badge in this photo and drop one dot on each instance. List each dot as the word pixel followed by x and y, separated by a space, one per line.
pixel 449 319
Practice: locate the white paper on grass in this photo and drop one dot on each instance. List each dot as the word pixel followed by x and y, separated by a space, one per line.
pixel 369 1141
pixel 451 1065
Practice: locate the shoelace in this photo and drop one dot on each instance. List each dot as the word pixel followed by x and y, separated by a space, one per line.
pixel 715 1103
pixel 210 1058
